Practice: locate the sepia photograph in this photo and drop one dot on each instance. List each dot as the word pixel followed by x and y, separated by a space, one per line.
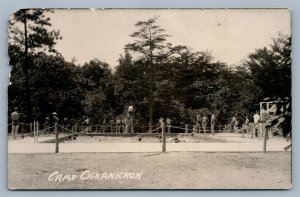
pixel 149 99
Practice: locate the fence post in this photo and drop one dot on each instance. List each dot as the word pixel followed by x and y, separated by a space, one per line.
pixel 38 130
pixel 265 139
pixel 163 137
pixel 34 140
pixel 56 139
pixel 186 128
pixel 22 130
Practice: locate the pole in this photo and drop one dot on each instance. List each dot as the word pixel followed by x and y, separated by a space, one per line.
pixel 34 133
pixel 186 128
pixel 163 137
pixel 56 139
pixel 22 129
pixel 265 139
pixel 38 129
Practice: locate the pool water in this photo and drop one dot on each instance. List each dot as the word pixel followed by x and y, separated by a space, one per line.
pixel 145 139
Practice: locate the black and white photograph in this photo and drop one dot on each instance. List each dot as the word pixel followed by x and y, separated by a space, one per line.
pixel 149 99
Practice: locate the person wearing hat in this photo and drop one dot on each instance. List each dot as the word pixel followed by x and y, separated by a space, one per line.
pixel 53 120
pixel 15 116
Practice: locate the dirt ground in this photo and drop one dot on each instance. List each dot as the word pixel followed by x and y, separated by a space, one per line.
pixel 174 170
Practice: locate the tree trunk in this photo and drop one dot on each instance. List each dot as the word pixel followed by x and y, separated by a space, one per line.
pixel 26 72
pixel 151 97
pixel 151 108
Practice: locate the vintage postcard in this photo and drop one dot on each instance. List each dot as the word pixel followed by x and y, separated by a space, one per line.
pixel 149 99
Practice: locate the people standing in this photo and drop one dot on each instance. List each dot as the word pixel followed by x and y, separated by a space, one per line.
pixel 236 128
pixel 204 123
pixel 246 124
pixel 118 125
pixel 86 123
pixel 111 126
pixel 212 123
pixel 104 125
pixel 233 122
pixel 162 123
pixel 47 124
pixel 54 121
pixel 264 116
pixel 129 123
pixel 198 119
pixel 168 122
pixel 123 120
pixel 15 116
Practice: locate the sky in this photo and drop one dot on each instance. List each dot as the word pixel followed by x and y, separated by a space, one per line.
pixel 229 34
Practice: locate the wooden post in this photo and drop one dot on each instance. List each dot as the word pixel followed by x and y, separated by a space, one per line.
pixel 163 137
pixel 34 131
pixel 22 129
pixel 219 129
pixel 56 139
pixel 37 131
pixel 186 128
pixel 265 139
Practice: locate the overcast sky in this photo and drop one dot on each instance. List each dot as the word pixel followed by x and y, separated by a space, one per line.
pixel 231 34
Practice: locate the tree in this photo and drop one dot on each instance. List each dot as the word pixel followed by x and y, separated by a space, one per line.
pixel 131 87
pixel 150 43
pixel 28 35
pixel 271 67
pixel 98 87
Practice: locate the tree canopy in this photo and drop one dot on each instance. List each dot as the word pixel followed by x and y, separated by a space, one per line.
pixel 157 78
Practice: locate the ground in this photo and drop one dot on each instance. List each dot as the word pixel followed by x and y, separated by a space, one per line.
pixel 172 170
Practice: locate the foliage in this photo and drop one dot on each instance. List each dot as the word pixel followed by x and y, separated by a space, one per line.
pixel 271 67
pixel 164 81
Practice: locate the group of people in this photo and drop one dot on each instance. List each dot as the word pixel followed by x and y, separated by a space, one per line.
pixel 257 127
pixel 203 121
pixel 15 119
pixel 122 124
pixel 165 123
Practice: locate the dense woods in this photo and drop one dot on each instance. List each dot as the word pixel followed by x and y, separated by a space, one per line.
pixel 152 75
